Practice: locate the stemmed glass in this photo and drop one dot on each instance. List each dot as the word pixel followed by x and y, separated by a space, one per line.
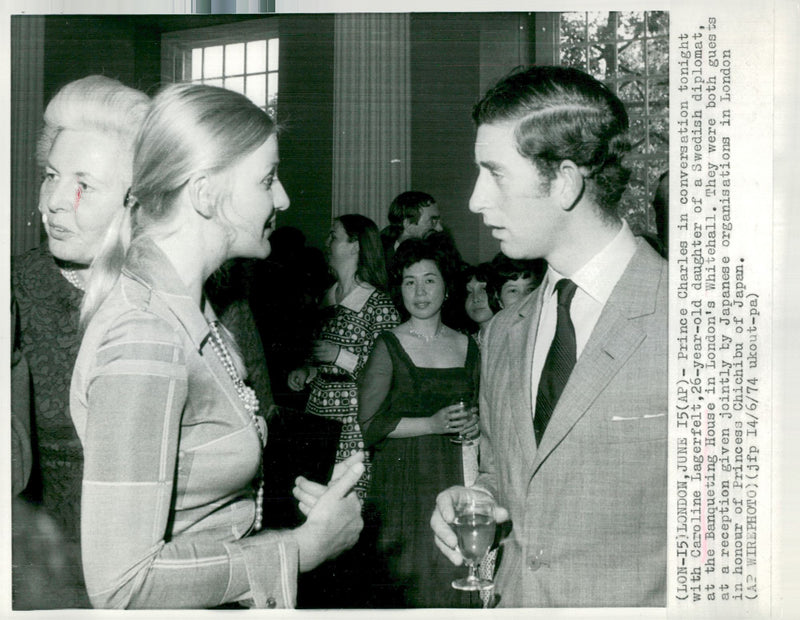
pixel 475 526
pixel 467 406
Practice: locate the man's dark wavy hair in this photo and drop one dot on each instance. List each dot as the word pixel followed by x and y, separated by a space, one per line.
pixel 561 114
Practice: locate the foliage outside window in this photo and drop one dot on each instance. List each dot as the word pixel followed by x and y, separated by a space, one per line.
pixel 629 52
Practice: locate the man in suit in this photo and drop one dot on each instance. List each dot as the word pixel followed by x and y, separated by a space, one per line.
pixel 574 377
pixel 412 215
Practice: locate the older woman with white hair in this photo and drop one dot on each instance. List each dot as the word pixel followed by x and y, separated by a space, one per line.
pixel 85 150
pixel 172 484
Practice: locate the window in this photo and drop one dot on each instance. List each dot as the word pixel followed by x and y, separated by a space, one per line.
pixel 241 57
pixel 629 52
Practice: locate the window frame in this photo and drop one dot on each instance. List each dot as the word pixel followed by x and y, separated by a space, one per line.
pixel 177 46
pixel 655 162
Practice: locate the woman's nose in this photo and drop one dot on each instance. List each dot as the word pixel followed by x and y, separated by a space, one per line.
pixel 60 195
pixel 279 196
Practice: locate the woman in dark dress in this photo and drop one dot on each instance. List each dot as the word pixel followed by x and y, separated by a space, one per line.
pixel 408 412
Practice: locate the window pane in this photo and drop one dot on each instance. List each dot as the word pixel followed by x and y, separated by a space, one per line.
pixel 631 59
pixel 573 57
pixel 658 56
pixel 658 97
pixel 598 67
pixel 272 89
pixel 573 27
pixel 257 89
pixel 213 62
pixel 235 83
pixel 637 134
pixel 658 135
pixel 658 23
pixel 256 56
pixel 631 25
pixel 601 26
pixel 272 57
pixel 234 59
pixel 214 82
pixel 197 63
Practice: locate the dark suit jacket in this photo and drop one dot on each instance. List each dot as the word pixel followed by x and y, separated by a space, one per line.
pixel 589 506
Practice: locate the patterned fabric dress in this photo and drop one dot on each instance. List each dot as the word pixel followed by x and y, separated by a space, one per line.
pixel 48 308
pixel 353 324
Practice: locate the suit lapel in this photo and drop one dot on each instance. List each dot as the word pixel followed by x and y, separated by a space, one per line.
pixel 614 339
pixel 520 338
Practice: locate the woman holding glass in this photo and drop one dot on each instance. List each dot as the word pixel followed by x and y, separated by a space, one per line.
pixel 172 483
pixel 355 310
pixel 409 411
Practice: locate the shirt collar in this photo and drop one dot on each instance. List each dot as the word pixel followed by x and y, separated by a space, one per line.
pixel 147 264
pixel 598 277
pixel 354 300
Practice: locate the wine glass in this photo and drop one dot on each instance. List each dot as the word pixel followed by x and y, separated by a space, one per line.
pixel 475 526
pixel 466 407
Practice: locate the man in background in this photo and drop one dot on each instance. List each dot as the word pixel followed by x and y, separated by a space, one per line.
pixel 573 397
pixel 412 215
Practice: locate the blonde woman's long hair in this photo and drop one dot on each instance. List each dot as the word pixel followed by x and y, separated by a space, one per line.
pixel 190 129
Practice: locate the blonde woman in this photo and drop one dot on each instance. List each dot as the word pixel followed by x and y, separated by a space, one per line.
pixel 172 499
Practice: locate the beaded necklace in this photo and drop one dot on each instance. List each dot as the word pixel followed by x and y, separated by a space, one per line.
pixel 424 336
pixel 250 402
pixel 72 278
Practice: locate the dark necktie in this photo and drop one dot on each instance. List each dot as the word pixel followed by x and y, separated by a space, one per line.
pixel 559 363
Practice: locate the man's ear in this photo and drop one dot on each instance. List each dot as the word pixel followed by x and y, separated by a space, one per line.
pixel 572 184
pixel 200 195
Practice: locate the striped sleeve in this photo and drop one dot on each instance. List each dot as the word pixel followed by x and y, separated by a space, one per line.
pixel 136 393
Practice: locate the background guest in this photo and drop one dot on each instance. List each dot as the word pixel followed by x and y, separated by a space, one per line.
pixel 476 303
pixel 412 215
pixel 407 407
pixel 285 295
pixel 171 504
pixel 512 279
pixel 354 310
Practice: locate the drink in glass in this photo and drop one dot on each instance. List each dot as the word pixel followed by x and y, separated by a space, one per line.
pixel 475 526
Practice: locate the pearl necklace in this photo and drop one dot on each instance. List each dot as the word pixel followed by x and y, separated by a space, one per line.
pixel 250 402
pixel 72 278
pixel 426 337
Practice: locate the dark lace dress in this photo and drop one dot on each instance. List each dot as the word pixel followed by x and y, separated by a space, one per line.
pixel 48 308
pixel 408 474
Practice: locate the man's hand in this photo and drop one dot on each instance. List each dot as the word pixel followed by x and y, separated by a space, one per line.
pixel 444 515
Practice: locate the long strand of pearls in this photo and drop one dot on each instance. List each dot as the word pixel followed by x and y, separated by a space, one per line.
pixel 250 401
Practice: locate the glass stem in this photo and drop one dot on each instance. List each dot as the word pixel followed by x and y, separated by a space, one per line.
pixel 473 571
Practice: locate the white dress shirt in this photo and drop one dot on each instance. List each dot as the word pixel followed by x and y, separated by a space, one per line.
pixel 595 281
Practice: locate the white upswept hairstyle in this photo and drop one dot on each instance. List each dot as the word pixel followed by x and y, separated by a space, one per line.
pixel 94 103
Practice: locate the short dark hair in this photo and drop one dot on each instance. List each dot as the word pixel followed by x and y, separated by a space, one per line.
pixel 371 266
pixel 562 114
pixel 505 269
pixel 412 251
pixel 408 206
